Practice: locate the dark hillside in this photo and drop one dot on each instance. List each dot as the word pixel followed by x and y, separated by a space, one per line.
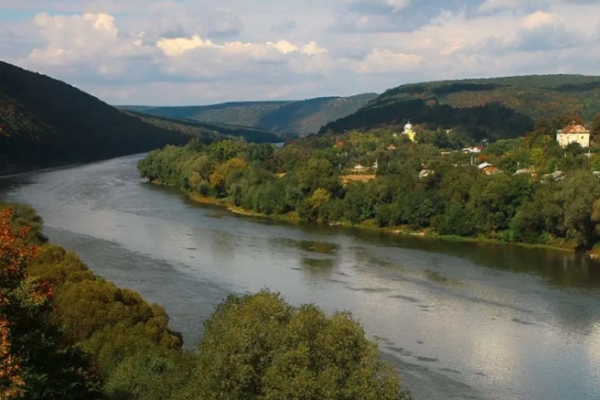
pixel 44 121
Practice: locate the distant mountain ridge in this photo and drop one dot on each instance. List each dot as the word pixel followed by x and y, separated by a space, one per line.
pixel 296 117
pixel 504 103
pixel 210 131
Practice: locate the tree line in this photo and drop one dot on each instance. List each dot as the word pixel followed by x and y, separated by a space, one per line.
pixel 311 179
pixel 67 334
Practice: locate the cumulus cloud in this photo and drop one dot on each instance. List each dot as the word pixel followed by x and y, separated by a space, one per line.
pixel 172 52
pixel 90 40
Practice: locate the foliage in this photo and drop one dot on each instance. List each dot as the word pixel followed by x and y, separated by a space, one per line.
pixel 259 347
pixel 309 179
pixel 36 360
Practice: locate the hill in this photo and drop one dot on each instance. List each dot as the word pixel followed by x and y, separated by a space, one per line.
pixel 44 121
pixel 505 107
pixel 296 117
pixel 210 131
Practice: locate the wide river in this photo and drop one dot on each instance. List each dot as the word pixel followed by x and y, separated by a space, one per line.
pixel 462 321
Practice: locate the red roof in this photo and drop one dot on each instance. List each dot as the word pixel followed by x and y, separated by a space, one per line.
pixel 574 129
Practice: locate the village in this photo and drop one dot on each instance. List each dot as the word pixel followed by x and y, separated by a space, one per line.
pixel 473 156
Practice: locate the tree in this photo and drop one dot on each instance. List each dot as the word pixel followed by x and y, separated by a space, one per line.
pixel 36 361
pixel 260 347
pixel 595 127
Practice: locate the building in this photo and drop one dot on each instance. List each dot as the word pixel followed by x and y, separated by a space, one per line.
pixel 472 150
pixel 490 170
pixel 425 173
pixel 409 131
pixel 574 133
pixel 526 171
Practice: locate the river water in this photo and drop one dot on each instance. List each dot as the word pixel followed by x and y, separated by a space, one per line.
pixel 461 321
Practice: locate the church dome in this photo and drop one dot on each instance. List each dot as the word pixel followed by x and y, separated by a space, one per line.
pixel 408 127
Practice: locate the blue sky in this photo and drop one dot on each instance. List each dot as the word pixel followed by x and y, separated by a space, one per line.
pixel 166 52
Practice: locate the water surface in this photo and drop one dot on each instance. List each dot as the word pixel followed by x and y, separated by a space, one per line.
pixel 462 321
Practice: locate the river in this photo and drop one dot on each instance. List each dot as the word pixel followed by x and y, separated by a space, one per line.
pixel 462 321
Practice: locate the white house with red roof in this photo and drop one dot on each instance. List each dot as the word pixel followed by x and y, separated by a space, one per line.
pixel 574 133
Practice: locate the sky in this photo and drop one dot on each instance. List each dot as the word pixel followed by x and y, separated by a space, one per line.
pixel 186 52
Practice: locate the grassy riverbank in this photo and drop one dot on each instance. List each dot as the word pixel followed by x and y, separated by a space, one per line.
pixel 371 225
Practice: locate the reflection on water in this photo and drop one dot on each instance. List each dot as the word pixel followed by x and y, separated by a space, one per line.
pixel 460 320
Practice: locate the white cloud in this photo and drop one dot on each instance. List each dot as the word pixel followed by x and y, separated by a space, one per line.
pixel 178 46
pixel 90 40
pixel 298 49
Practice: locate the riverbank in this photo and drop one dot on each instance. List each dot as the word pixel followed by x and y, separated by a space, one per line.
pixel 293 217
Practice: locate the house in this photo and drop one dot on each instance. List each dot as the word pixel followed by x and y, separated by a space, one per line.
pixel 526 171
pixel 490 170
pixel 425 173
pixel 555 176
pixel 484 165
pixel 391 147
pixel 359 167
pixel 573 133
pixel 472 150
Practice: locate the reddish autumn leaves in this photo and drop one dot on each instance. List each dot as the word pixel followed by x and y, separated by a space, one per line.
pixel 15 292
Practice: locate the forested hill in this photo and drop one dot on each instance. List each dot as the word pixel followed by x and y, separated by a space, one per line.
pixel 497 108
pixel 44 121
pixel 296 117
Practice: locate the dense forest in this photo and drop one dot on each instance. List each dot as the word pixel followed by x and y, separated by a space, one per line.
pixel 525 189
pixel 44 121
pixel 480 105
pixel 68 334
pixel 289 117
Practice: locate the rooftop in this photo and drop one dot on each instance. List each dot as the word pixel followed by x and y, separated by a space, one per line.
pixel 574 128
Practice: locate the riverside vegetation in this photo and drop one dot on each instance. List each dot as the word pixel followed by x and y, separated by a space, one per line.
pixel 68 334
pixel 311 179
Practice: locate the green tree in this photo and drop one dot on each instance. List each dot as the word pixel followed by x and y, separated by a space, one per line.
pixel 595 127
pixel 260 347
pixel 37 362
pixel 151 375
